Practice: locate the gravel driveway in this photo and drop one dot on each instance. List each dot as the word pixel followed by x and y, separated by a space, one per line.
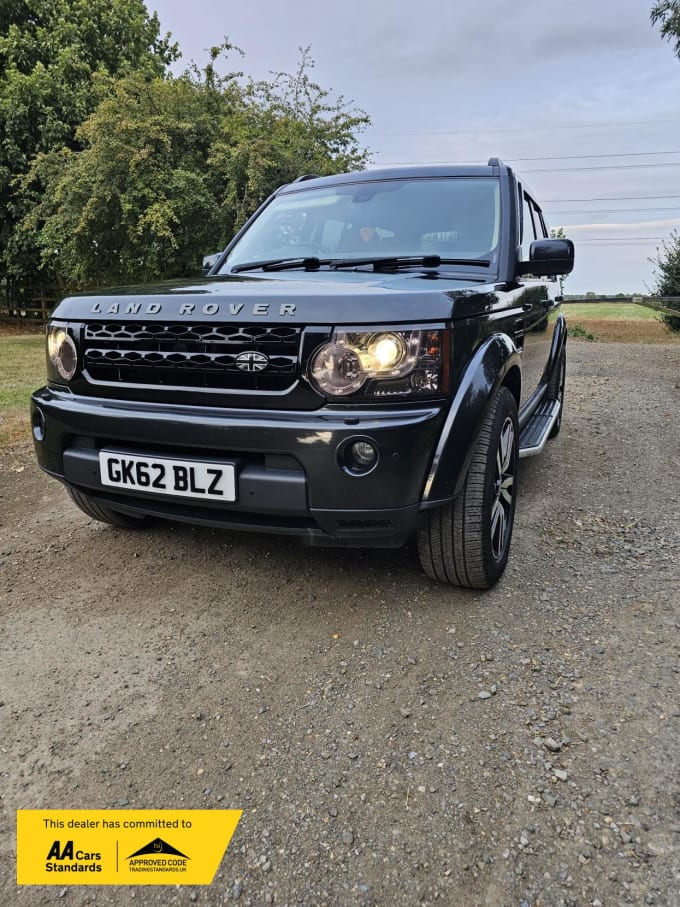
pixel 389 740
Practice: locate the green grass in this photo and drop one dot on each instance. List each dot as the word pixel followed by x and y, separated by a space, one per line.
pixel 612 310
pixel 22 370
pixel 579 332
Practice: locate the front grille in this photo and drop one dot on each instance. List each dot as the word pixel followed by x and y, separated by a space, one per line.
pixel 234 357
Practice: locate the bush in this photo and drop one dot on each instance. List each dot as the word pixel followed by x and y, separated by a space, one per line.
pixel 167 169
pixel 667 263
pixel 579 332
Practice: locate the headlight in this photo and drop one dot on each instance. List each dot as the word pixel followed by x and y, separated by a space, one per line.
pixel 61 351
pixel 389 363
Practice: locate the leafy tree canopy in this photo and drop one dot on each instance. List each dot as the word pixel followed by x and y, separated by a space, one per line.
pixel 666 14
pixel 57 60
pixel 170 168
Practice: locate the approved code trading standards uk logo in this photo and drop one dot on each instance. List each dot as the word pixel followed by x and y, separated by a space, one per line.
pixel 158 856
pixel 115 847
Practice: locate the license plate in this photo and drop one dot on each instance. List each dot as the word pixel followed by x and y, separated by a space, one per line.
pixel 161 475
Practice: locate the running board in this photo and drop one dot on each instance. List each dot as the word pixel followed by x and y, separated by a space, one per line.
pixel 537 430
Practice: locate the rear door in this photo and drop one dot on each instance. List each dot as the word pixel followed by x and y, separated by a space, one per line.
pixel 537 300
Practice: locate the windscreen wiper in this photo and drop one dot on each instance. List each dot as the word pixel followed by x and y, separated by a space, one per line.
pixel 394 262
pixel 379 263
pixel 281 264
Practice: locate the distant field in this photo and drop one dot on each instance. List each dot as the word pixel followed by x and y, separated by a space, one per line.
pixel 616 322
pixel 618 311
pixel 22 370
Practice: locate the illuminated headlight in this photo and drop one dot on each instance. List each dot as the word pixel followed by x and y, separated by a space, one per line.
pixel 387 363
pixel 386 351
pixel 61 351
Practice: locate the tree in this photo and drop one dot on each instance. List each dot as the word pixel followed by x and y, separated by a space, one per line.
pixel 666 14
pixel 169 168
pixel 138 198
pixel 667 262
pixel 57 61
pixel 286 127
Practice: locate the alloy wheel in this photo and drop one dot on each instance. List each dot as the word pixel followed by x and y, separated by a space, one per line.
pixel 503 490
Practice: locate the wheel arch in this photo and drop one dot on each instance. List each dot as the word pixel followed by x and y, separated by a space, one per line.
pixel 513 382
pixel 495 363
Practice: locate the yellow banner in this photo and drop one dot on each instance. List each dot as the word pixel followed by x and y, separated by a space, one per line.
pixel 122 846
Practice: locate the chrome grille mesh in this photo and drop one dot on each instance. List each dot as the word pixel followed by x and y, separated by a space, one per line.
pixel 192 355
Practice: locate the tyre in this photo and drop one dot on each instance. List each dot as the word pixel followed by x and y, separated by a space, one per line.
pixel 556 390
pixel 466 543
pixel 104 514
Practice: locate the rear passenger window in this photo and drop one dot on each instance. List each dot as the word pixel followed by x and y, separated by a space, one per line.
pixel 539 222
pixel 528 229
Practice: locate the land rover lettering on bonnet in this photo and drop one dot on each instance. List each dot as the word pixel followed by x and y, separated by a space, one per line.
pixel 365 362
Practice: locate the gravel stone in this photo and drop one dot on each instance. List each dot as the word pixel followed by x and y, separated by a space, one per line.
pixel 163 661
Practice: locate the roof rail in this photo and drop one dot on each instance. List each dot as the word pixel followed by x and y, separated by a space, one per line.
pixel 306 176
pixel 495 162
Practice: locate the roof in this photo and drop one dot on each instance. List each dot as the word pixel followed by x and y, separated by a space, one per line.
pixel 387 173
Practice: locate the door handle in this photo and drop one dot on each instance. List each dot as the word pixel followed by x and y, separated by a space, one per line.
pixel 527 307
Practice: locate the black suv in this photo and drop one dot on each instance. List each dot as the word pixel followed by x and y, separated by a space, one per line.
pixel 365 361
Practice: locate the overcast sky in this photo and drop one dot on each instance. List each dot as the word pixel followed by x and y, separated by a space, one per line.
pixel 582 97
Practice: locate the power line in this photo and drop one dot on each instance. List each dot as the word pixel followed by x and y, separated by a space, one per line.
pixel 603 167
pixel 533 128
pixel 649 246
pixel 543 169
pixel 576 157
pixel 611 210
pixel 609 198
pixel 571 157
pixel 612 242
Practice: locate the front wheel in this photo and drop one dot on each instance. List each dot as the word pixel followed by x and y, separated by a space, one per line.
pixel 103 514
pixel 466 543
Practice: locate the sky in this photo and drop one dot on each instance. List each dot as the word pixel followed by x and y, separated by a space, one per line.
pixel 582 99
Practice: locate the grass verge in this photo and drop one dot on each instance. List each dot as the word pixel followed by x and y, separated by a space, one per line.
pixel 22 370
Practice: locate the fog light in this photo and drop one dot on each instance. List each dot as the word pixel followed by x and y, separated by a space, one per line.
pixel 38 424
pixel 358 456
pixel 363 454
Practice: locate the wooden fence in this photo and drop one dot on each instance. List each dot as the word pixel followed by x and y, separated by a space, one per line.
pixel 29 304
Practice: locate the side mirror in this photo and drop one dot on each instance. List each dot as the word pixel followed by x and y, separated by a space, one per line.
pixel 548 258
pixel 209 261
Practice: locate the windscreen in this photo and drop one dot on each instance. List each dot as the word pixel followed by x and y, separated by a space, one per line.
pixel 456 217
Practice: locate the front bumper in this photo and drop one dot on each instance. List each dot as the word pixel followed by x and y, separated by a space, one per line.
pixel 290 477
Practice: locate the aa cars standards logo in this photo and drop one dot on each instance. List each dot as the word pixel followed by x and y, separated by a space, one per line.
pixel 158 856
pixel 68 857
pixel 122 846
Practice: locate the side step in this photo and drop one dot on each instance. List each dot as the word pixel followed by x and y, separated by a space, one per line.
pixel 537 430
